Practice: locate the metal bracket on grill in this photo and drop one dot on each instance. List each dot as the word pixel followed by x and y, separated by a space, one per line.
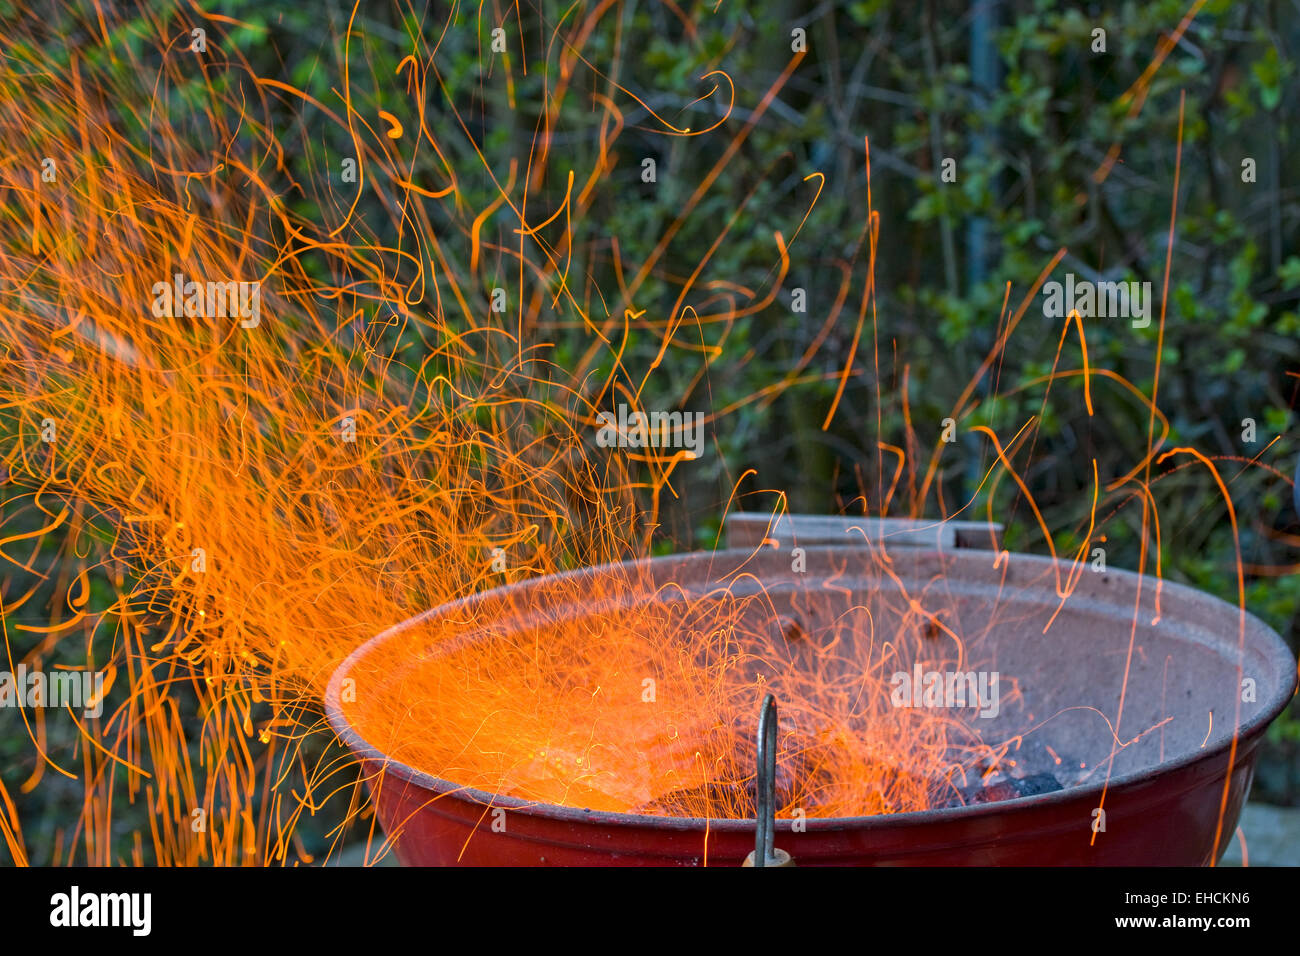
pixel 765 854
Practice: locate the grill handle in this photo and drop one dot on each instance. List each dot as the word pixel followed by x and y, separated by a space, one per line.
pixel 765 854
pixel 749 529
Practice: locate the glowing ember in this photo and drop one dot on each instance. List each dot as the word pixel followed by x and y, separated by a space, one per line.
pixel 638 698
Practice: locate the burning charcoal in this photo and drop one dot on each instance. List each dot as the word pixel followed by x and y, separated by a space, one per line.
pixel 694 801
pixel 1038 783
pixel 1003 790
pixel 1008 788
pixel 950 801
pixel 739 797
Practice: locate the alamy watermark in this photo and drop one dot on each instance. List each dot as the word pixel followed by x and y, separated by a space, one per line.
pixel 80 689
pixel 923 688
pixel 1100 300
pixel 210 300
pixel 133 911
pixel 652 430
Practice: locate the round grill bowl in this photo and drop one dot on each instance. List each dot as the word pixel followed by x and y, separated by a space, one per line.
pixel 1172 796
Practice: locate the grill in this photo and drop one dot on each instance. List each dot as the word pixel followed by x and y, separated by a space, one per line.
pixel 1171 795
